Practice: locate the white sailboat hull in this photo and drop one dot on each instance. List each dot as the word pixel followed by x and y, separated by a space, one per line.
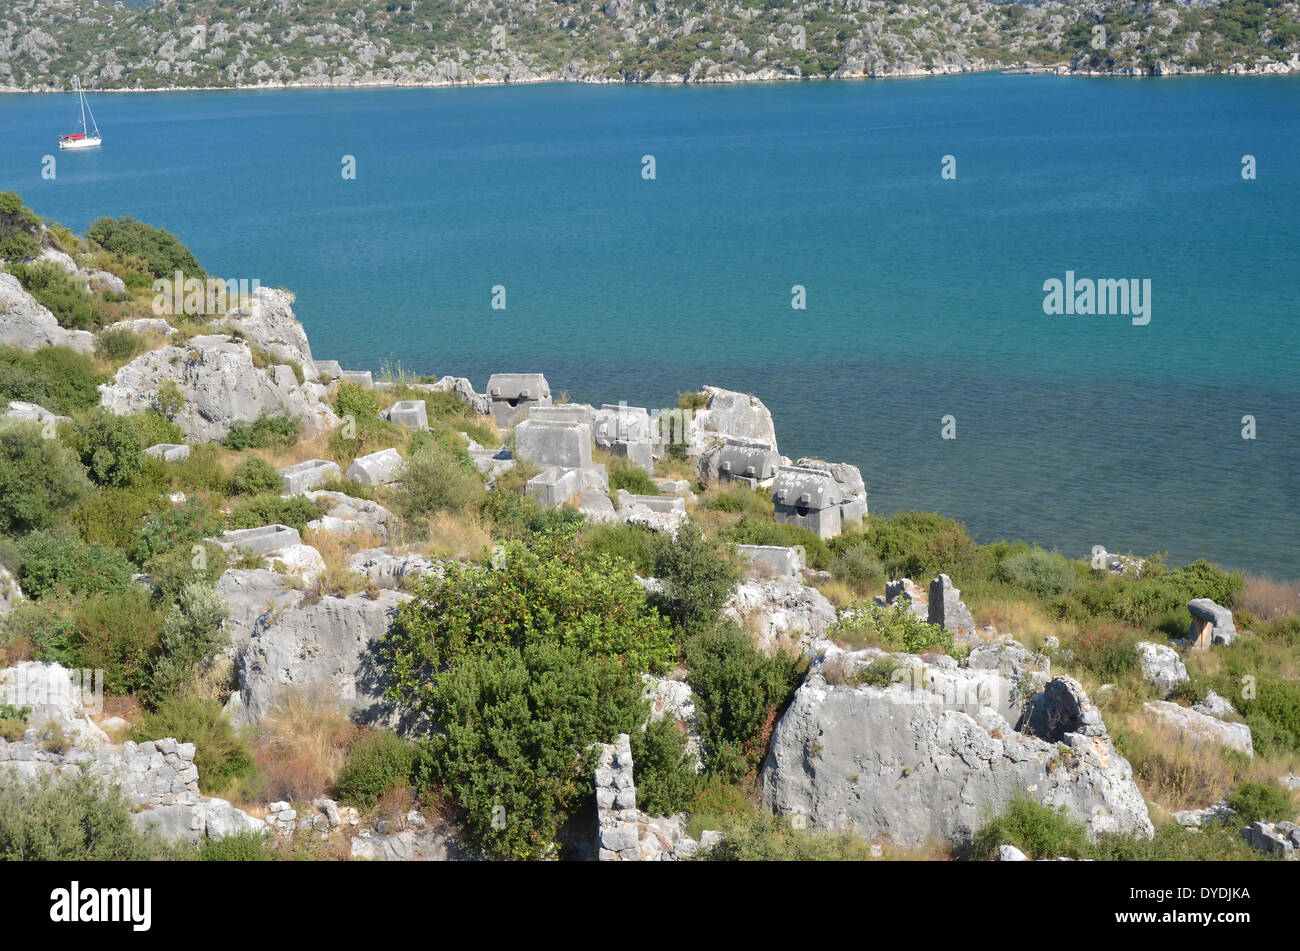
pixel 74 145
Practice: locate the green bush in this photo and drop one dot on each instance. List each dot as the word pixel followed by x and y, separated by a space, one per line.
pixel 754 504
pixel 597 606
pixel 920 545
pixel 20 229
pixel 172 570
pixel 40 479
pixel 184 525
pixel 1261 802
pixel 69 819
pixel 376 762
pixel 1037 830
pixel 153 428
pixel 894 629
pixel 630 477
pixel 223 754
pixel 766 532
pixel 634 544
pixel 352 399
pixel 739 695
pixel 434 479
pixel 1044 573
pixel 109 447
pixel 515 750
pixel 59 560
pixel 697 575
pixel 295 511
pixel 119 346
pixel 118 632
pixel 114 516
pixel 666 780
pixel 61 293
pixel 192 631
pixel 858 567
pixel 161 251
pixel 265 432
pixel 514 516
pixel 57 378
pixel 254 476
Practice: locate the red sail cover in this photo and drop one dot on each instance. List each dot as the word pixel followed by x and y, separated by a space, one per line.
pixel 76 135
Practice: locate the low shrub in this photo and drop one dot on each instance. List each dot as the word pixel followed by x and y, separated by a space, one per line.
pixel 894 629
pixel 255 476
pixel 376 762
pixel 62 294
pixel 109 447
pixel 60 560
pixel 1039 831
pixel 920 545
pixel 697 575
pixel 223 754
pixel 114 516
pixel 119 346
pixel 1045 574
pixel 434 479
pixel 244 847
pixel 1261 802
pixel 57 378
pixel 634 544
pixel 175 527
pixel 630 477
pixel 40 479
pixel 265 432
pixel 118 632
pixel 665 772
pixel 192 631
pixel 69 819
pixel 295 511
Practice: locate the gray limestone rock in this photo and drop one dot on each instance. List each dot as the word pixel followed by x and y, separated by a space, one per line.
pixel 1161 665
pixel 28 324
pixel 1200 728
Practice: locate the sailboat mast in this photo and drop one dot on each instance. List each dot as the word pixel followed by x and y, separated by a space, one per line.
pixel 83 108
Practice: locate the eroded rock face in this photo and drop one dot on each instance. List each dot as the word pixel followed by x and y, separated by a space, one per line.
pixel 1161 665
pixel 268 322
pixel 729 413
pixel 219 386
pixel 905 764
pixel 326 647
pixel 10 592
pixel 59 699
pixel 348 516
pixel 252 592
pixel 781 613
pixel 1200 728
pixel 26 323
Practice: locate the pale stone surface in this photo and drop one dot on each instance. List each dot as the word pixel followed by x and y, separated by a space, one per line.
pixel 348 516
pixel 59 699
pixel 729 413
pixel 781 613
pixel 1197 727
pixel 1161 665
pixel 33 413
pixel 302 476
pixel 378 468
pixel 26 323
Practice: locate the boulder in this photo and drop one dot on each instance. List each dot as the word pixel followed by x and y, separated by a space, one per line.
pixel 378 468
pixel 143 325
pixel 781 613
pixel 1009 853
pixel 413 414
pixel 1214 706
pixel 297 561
pixel 327 647
pixel 905 763
pixel 60 699
pixel 464 391
pixel 267 322
pixel 219 386
pixel 1161 665
pixel 1211 624
pixel 729 413
pixel 348 516
pixel 10 591
pixel 387 570
pixel 26 323
pixel 1200 728
pixel 169 452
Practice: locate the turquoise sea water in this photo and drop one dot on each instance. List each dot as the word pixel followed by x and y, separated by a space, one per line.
pixel 924 296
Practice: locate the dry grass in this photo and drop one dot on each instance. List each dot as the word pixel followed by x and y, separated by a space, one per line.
pixel 457 535
pixel 1023 620
pixel 318 447
pixel 337 578
pixel 1269 600
pixel 674 469
pixel 1175 774
pixel 216 680
pixel 304 746
pixel 839 593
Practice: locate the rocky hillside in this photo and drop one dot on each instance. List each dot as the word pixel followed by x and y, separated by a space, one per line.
pixel 211 43
pixel 336 616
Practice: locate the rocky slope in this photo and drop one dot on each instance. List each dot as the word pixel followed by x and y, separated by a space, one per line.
pixel 211 43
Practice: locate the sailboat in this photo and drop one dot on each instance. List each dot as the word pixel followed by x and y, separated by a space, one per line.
pixel 84 139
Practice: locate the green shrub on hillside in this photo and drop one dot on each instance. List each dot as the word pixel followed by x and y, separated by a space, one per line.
pixel 666 780
pixel 119 346
pixel 534 596
pixel 223 754
pixel 117 632
pixel 161 251
pixel 62 294
pixel 192 631
pixel 1044 573
pixel 51 561
pixel 254 476
pixel 434 479
pixel 20 229
pixel 1261 802
pixel 63 381
pixel 1039 831
pixel 515 749
pixel 634 544
pixel 109 447
pixel 153 428
pixel 631 478
pixel 376 762
pixel 180 526
pixel 920 545
pixel 40 479
pixel 766 532
pixel 759 836
pixel 265 432
pixel 697 575
pixel 739 696
pixel 69 819
pixel 894 629
pixel 295 511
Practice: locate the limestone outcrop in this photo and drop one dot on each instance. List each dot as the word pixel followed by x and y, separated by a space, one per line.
pixel 26 323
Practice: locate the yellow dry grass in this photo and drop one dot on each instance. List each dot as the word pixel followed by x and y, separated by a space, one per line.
pixel 304 745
